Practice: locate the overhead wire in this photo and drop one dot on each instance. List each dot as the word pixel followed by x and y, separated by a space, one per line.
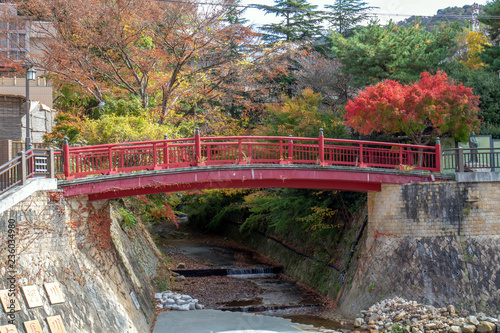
pixel 257 6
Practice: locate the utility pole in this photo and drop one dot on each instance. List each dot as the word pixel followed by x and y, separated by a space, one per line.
pixel 475 21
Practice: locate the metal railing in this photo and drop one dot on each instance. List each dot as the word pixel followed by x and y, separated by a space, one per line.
pixel 203 151
pixel 30 164
pixel 79 162
pixel 468 159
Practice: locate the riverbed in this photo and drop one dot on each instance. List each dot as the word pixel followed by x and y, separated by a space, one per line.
pixel 244 280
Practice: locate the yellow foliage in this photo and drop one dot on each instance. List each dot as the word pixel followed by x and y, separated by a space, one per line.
pixel 476 40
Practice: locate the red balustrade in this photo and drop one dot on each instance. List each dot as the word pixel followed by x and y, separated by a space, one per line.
pixel 203 151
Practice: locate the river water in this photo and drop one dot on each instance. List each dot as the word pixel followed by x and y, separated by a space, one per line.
pixel 227 276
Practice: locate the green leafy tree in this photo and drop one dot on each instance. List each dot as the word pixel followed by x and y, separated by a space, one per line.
pixel 345 15
pixel 299 21
pixel 376 53
pixel 115 129
pixel 485 84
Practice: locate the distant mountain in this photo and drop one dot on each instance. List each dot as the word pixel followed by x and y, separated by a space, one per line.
pixel 450 14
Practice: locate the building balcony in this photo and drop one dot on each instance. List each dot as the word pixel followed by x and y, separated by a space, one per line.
pixel 40 89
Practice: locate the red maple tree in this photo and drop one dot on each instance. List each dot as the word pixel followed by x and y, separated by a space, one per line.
pixel 423 110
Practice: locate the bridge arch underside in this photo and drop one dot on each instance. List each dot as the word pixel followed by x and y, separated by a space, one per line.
pixel 237 176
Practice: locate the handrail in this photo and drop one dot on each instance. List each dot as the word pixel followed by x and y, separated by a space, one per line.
pixel 202 151
pixel 465 159
pixel 10 174
pixel 77 162
pixel 29 164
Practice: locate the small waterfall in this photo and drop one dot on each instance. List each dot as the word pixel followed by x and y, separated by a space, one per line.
pixel 253 271
pixel 269 308
pixel 229 271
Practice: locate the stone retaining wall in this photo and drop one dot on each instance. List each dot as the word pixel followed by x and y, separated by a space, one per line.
pixel 434 243
pixel 435 209
pixel 97 264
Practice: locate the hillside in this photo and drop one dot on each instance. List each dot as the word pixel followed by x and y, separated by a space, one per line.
pixel 449 14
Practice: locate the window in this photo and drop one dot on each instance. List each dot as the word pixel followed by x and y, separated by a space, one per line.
pixel 22 41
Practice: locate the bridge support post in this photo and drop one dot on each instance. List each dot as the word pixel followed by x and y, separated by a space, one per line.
pixel 51 164
pixel 438 155
pixel 165 152
pixel 111 170
pixel 197 148
pixel 281 150
pixel 460 159
pixel 362 163
pixel 155 157
pixel 321 142
pixel 240 152
pixel 289 158
pixel 23 168
pixel 67 172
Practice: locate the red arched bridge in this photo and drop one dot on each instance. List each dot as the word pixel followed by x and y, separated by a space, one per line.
pixel 170 165
pixel 195 163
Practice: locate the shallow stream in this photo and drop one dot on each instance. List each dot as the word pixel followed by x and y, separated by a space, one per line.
pixel 266 293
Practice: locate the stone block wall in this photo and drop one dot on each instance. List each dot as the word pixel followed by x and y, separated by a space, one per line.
pixel 97 263
pixel 434 243
pixel 435 209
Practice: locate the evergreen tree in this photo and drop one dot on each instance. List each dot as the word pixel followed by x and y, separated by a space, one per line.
pixel 235 12
pixel 376 53
pixel 492 11
pixel 236 21
pixel 491 54
pixel 345 15
pixel 299 21
pixel 484 83
pixel 491 57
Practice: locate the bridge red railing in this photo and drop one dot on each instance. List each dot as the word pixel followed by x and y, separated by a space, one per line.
pixel 202 151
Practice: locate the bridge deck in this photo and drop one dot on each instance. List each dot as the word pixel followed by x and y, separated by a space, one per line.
pixel 240 176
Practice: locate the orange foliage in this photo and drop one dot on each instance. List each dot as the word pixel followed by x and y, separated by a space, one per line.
pixel 430 107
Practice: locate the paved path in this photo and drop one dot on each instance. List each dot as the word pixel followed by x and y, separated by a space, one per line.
pixel 216 321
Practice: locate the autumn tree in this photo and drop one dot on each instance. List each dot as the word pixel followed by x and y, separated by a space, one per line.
pixel 323 75
pixel 301 116
pixel 193 42
pixel 102 46
pixel 112 48
pixel 423 110
pixel 475 42
pixel 243 88
pixel 376 53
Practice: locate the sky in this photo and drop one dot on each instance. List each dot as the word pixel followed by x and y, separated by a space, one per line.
pixel 396 9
